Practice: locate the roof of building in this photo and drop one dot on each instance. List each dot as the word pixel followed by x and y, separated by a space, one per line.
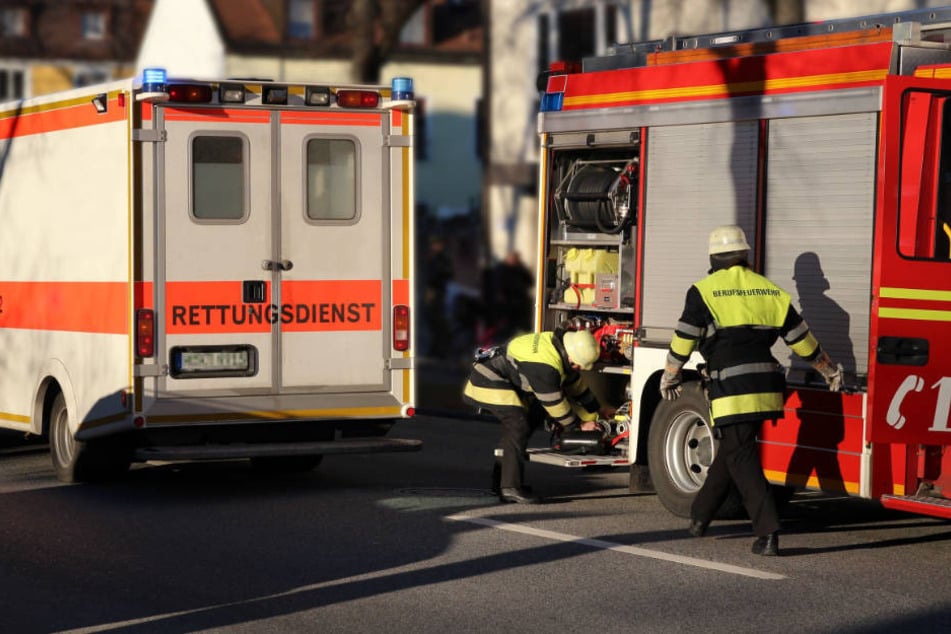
pixel 55 30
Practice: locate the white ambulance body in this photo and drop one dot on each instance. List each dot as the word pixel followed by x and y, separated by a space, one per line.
pixel 205 269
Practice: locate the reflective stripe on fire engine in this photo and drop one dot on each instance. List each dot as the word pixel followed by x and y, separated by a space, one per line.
pixel 728 90
pixel 916 313
pixel 812 482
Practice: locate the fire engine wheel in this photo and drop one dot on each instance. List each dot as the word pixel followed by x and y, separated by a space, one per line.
pixel 79 461
pixel 680 449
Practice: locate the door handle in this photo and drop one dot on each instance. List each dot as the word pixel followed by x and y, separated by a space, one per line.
pixel 274 265
pixel 902 351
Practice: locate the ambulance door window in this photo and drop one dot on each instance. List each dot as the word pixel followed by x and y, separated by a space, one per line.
pixel 331 180
pixel 924 214
pixel 219 178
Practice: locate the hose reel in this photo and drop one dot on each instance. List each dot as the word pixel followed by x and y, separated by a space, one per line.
pixel 598 195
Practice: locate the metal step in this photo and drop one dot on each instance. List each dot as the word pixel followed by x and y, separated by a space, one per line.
pixel 547 456
pixel 931 506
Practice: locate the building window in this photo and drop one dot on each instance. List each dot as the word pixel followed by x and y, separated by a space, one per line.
pixel 93 25
pixel 300 19
pixel 12 22
pixel 11 84
pixel 331 179
pixel 414 31
pixel 88 77
pixel 577 34
pixel 219 185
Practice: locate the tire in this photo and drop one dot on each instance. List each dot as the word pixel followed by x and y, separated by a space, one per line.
pixel 64 449
pixel 78 461
pixel 680 450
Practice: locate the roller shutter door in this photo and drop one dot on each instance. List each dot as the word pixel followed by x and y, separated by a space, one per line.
pixel 819 208
pixel 698 177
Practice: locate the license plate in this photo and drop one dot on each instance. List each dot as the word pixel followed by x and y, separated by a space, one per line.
pixel 208 361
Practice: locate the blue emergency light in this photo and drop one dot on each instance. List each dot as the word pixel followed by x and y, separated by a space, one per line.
pixel 401 89
pixel 154 79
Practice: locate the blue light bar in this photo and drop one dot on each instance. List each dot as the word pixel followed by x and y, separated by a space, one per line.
pixel 154 79
pixel 401 89
pixel 552 102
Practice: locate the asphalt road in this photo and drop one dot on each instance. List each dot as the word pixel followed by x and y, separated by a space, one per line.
pixel 414 543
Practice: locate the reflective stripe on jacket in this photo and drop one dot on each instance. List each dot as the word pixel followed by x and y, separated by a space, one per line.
pixel 534 366
pixel 734 316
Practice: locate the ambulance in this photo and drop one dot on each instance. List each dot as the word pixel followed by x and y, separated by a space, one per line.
pixel 829 143
pixel 195 270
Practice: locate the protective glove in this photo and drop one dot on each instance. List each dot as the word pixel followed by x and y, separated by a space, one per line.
pixel 833 376
pixel 831 372
pixel 670 387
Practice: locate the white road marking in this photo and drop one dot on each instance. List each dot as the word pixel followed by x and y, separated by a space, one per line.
pixel 621 548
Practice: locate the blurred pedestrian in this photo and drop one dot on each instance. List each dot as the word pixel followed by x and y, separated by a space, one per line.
pixel 513 284
pixel 438 271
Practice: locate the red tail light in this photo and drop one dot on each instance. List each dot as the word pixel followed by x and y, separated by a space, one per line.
pixel 401 328
pixel 145 332
pixel 358 98
pixel 189 93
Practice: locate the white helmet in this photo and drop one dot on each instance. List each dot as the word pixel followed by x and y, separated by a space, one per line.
pixel 727 239
pixel 582 348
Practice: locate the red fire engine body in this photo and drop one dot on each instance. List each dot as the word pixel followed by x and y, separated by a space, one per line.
pixel 830 144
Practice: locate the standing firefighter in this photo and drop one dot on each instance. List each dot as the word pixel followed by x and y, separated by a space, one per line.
pixel 531 378
pixel 735 316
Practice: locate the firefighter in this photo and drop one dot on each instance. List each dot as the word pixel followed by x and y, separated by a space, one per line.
pixel 734 317
pixel 532 378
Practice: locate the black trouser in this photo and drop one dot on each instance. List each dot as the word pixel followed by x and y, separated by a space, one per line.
pixel 737 460
pixel 510 455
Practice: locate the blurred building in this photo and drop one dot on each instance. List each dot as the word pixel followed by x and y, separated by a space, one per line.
pixel 308 40
pixel 525 37
pixel 51 46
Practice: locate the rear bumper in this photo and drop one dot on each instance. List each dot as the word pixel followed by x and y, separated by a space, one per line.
pixel 258 450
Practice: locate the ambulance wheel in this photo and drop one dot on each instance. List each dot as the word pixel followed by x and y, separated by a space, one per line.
pixel 285 464
pixel 680 450
pixel 83 461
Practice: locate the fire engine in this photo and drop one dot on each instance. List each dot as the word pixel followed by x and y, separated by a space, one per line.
pixel 830 144
pixel 198 270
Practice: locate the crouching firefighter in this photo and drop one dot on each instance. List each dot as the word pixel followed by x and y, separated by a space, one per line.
pixel 531 379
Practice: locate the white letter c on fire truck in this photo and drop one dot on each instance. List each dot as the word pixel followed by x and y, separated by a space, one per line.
pixel 912 383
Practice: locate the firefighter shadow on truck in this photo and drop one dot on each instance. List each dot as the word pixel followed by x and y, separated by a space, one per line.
pixel 820 416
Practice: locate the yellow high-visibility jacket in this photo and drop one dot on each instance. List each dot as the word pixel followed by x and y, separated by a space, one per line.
pixel 533 367
pixel 735 316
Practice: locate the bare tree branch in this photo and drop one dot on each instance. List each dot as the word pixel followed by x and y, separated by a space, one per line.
pixel 376 26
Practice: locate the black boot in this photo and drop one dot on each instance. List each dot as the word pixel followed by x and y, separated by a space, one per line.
pixel 767 546
pixel 519 496
pixel 496 478
pixel 697 528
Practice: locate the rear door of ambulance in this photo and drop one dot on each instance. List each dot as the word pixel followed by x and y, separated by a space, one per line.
pixel 273 259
